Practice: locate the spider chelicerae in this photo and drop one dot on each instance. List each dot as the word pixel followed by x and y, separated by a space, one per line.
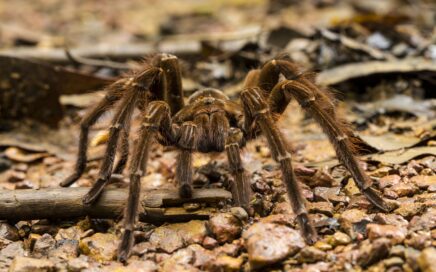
pixel 211 122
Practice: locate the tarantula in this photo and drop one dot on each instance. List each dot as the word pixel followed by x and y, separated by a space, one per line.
pixel 211 122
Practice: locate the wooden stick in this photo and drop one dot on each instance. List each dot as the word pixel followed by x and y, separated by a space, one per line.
pixel 58 203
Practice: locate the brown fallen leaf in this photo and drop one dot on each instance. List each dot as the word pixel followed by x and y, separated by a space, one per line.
pixel 355 70
pixel 20 155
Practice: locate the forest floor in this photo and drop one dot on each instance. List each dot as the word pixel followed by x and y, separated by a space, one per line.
pixel 377 57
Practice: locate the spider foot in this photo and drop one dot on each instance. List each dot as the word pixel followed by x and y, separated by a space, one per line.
pixel 94 193
pixel 185 191
pixel 70 180
pixel 377 200
pixel 307 229
pixel 125 246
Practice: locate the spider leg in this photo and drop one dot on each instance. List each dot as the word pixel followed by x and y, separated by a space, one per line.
pixel 255 104
pixel 115 92
pixel 241 190
pixel 156 116
pixel 124 150
pixel 319 105
pixel 174 92
pixel 140 85
pixel 186 142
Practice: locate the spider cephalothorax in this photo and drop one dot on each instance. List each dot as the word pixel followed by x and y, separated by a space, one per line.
pixel 211 122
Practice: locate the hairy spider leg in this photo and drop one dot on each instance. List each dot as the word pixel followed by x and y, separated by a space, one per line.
pixel 256 106
pixel 318 103
pixel 174 94
pixel 186 142
pixel 156 117
pixel 114 93
pixel 241 189
pixel 140 86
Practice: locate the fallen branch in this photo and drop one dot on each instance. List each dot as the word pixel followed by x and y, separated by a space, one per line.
pixel 58 203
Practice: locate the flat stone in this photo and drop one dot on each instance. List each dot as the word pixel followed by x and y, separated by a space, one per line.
pixel 171 237
pixel 372 252
pixel 71 233
pixel 13 249
pixel 210 242
pixel 9 232
pixel 353 220
pixel 43 245
pixel 427 260
pixel 407 210
pixel 226 263
pixel 225 226
pixel 391 219
pixel 423 182
pixel 268 243
pixel 26 264
pixel 65 249
pixel 100 246
pixel 404 189
pixel 339 238
pixel 321 207
pixel 426 221
pixel 394 233
pixel 311 254
pixel 389 181
pixel 78 264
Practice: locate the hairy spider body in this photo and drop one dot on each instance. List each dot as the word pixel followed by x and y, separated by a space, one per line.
pixel 211 122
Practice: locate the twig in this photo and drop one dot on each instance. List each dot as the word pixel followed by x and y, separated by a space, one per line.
pixel 57 203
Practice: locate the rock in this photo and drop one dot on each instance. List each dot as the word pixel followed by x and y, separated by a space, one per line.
pixel 225 226
pixel 393 261
pixel 423 182
pixel 419 240
pixel 353 221
pixel 426 221
pixel 100 246
pixel 311 254
pixel 139 266
pixel 225 263
pixel 404 189
pixel 9 232
pixel 394 233
pixel 388 181
pixel 65 249
pixel 78 264
pixel 323 246
pixel 240 213
pixel 427 260
pixel 181 260
pixel 43 245
pixel 411 255
pixel 4 243
pixel 380 172
pixel 407 210
pixel 142 248
pixel 171 237
pixel 26 264
pixel 321 207
pixel 71 233
pixel 209 242
pixel 232 249
pixel 350 188
pixel 13 249
pixel 391 219
pixel 371 253
pixel 268 243
pixel 339 238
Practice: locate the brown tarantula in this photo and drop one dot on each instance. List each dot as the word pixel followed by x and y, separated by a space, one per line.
pixel 211 122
